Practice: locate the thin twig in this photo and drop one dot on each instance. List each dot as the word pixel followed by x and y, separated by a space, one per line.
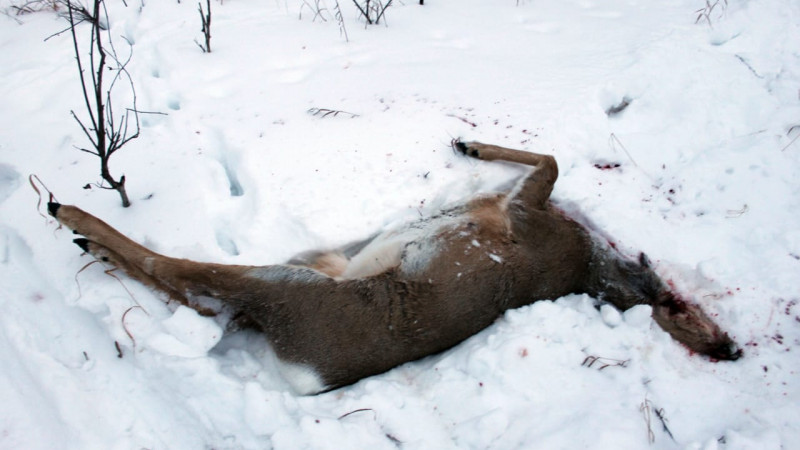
pixel 472 124
pixel 88 135
pixel 355 411
pixel 747 64
pixel 612 140
pixel 590 360
pixel 660 414
pixel 363 13
pixel 340 19
pixel 793 140
pixel 205 20
pixel 125 326
pixel 89 108
pixel 77 282
pixel 383 11
pixel 735 213
pixel 51 197
pixel 324 112
pixel 110 273
pixel 316 9
pixel 645 409
pixel 705 12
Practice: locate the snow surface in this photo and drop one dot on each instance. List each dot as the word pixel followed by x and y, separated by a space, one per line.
pixel 700 171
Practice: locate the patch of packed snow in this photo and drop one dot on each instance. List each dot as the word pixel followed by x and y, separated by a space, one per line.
pixel 676 138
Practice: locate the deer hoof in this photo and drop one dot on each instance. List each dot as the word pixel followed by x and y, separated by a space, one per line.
pixel 52 208
pixel 465 149
pixel 82 243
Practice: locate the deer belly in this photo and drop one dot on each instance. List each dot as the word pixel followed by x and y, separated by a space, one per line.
pixel 409 249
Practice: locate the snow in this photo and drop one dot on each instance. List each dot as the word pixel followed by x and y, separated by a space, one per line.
pixel 700 171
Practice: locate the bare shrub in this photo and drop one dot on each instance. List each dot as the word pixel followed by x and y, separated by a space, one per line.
pixel 32 6
pixel 712 10
pixel 372 10
pixel 108 129
pixel 205 20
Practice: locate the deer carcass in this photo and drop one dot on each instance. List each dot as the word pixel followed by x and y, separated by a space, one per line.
pixel 335 317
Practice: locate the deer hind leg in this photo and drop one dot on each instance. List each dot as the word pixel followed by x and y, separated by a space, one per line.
pixel 534 190
pixel 175 277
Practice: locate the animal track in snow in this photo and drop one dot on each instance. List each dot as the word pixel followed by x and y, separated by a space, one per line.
pixel 9 181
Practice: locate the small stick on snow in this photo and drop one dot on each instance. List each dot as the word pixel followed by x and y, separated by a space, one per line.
pixel 647 405
pixel 472 124
pixel 125 326
pixel 736 213
pixel 793 140
pixel 355 411
pixel 614 139
pixel 645 409
pixel 324 112
pixel 604 362
pixel 33 179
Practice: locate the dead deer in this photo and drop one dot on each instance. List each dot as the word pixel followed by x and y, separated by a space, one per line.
pixel 335 317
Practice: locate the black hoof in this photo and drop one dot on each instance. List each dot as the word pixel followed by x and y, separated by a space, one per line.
pixel 82 243
pixel 52 208
pixel 465 149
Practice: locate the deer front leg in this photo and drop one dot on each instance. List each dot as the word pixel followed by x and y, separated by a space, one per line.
pixel 534 190
pixel 488 152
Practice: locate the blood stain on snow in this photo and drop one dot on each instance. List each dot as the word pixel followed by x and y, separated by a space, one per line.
pixel 607 166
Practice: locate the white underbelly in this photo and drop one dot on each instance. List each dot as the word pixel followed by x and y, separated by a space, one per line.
pixel 410 249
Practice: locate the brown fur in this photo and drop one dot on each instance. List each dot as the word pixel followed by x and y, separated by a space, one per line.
pixel 419 290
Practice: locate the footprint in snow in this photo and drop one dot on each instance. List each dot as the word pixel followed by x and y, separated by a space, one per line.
pixel 9 181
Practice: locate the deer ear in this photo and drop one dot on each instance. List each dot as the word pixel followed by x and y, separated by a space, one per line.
pixel 644 261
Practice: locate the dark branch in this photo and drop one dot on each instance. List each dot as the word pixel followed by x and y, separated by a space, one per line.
pixel 108 132
pixel 205 21
pixel 383 10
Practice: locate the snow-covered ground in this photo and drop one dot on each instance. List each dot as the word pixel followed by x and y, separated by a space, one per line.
pixel 701 171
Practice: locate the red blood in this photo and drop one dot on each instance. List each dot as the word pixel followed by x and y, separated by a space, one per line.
pixel 607 166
